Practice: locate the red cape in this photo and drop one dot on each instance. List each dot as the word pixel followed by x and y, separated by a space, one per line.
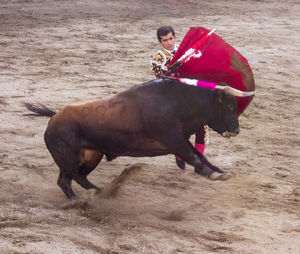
pixel 219 62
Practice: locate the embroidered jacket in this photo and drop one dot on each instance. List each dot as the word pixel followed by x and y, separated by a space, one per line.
pixel 160 61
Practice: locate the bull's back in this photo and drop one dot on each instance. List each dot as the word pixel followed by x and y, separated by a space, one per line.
pixel 132 110
pixel 129 123
pixel 112 113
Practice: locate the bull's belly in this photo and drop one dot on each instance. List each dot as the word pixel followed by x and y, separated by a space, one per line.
pixel 144 152
pixel 134 148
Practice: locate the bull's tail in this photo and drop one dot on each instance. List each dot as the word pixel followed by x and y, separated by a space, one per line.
pixel 39 110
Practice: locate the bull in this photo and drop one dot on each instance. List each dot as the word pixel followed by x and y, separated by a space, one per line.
pixel 152 119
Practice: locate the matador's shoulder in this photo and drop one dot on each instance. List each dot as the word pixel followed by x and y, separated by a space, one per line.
pixel 159 57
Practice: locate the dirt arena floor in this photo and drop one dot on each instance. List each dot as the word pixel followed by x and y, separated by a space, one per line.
pixel 58 52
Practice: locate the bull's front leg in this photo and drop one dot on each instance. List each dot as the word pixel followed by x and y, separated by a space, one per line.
pixel 181 147
pixel 205 170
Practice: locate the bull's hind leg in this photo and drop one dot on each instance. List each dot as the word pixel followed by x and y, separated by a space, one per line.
pixel 65 156
pixel 68 166
pixel 64 182
pixel 88 159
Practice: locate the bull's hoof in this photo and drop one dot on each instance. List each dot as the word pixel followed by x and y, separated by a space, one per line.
pixel 204 171
pixel 215 176
pixel 180 163
pixel 225 176
pixel 212 175
pixel 220 176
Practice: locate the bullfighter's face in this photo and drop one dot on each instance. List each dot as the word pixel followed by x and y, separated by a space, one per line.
pixel 168 41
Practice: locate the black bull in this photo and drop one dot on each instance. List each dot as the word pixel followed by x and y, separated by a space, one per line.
pixel 151 119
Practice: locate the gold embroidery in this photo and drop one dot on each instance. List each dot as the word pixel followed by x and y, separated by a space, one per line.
pixel 206 136
pixel 160 61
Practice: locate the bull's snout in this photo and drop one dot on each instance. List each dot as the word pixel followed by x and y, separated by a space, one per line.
pixel 236 131
pixel 228 134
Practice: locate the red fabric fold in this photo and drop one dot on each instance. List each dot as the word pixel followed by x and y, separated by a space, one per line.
pixel 219 62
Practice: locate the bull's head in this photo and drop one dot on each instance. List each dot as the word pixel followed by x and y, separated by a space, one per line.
pixel 225 120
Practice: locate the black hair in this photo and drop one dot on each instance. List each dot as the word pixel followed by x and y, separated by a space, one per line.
pixel 164 30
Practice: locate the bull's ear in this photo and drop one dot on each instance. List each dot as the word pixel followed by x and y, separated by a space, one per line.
pixel 220 95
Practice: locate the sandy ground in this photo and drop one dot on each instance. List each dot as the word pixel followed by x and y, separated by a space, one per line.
pixel 60 52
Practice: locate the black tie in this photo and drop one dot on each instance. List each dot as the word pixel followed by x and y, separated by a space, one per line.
pixel 173 52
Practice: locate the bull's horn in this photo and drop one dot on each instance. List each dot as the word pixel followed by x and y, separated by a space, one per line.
pixel 235 92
